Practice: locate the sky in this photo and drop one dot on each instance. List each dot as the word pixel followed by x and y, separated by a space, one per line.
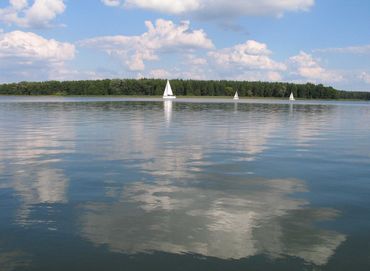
pixel 317 41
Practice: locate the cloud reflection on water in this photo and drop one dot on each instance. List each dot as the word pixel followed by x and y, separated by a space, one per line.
pixel 237 220
pixel 185 210
pixel 194 193
pixel 37 143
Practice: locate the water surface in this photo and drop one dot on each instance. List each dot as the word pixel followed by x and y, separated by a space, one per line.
pixel 193 184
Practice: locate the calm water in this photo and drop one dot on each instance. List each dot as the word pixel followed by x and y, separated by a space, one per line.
pixel 115 184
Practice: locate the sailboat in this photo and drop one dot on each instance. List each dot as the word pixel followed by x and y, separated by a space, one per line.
pixel 291 97
pixel 168 94
pixel 236 96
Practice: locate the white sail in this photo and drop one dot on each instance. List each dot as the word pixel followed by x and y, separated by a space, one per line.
pixel 291 97
pixel 236 96
pixel 168 91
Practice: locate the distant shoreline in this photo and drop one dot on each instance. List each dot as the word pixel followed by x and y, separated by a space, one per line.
pixel 178 97
pixel 181 88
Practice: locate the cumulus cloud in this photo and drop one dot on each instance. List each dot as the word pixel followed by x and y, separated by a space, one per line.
pixel 28 45
pixel 248 61
pixel 217 8
pixel 23 53
pixel 38 13
pixel 309 68
pixel 163 36
pixel 249 55
pixel 199 59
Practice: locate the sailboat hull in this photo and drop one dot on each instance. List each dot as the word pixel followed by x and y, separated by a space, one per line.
pixel 169 97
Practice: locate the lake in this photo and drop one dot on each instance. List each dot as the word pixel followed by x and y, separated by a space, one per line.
pixel 193 184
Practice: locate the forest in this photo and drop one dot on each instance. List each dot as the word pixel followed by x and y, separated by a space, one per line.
pixel 155 87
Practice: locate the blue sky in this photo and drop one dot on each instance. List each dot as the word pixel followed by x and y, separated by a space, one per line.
pixel 318 41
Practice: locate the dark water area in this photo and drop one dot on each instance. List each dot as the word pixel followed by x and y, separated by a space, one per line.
pixel 192 184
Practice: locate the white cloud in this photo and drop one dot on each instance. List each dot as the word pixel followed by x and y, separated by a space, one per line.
pixel 166 6
pixel 248 61
pixel 251 55
pixel 24 53
pixel 218 8
pixel 38 14
pixel 189 53
pixel 111 3
pixel 164 36
pixel 308 68
pixel 28 45
pixel 365 77
pixel 192 55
